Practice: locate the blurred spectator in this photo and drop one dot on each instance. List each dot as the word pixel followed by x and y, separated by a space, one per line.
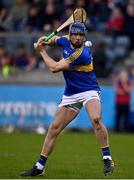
pixel 100 60
pixel 49 15
pixel 98 12
pixel 18 14
pixel 131 72
pixel 33 21
pixel 7 3
pixel 2 53
pixel 68 12
pixel 123 90
pixel 5 65
pixel 56 24
pixel 83 4
pixel 5 20
pixel 69 3
pixel 117 48
pixel 36 3
pixel 129 22
pixel 117 69
pixel 32 63
pixel 21 60
pixel 116 22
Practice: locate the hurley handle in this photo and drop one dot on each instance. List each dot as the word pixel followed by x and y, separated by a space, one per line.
pixel 47 38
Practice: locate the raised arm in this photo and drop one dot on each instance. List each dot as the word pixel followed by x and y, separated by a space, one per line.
pixel 51 63
pixel 50 42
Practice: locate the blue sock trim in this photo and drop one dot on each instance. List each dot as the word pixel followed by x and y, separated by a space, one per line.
pixel 42 160
pixel 106 151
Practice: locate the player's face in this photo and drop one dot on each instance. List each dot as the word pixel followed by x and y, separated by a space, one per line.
pixel 77 39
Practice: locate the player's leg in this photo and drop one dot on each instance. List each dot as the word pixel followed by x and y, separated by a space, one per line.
pixel 93 108
pixel 62 118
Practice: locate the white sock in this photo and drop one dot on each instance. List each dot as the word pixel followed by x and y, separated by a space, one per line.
pixel 107 157
pixel 39 166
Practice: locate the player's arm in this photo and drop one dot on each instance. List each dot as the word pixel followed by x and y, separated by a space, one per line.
pixel 51 63
pixel 54 41
pixel 50 42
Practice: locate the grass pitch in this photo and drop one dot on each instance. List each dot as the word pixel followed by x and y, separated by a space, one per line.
pixel 76 156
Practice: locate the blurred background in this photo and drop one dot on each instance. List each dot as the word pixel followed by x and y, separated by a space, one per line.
pixel 30 94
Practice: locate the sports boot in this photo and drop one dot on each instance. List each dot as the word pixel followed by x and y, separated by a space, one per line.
pixel 108 166
pixel 32 172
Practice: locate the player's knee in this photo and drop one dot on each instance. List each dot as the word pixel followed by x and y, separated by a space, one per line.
pixel 54 129
pixel 97 122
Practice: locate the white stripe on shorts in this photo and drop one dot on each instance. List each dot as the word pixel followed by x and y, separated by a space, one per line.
pixel 79 97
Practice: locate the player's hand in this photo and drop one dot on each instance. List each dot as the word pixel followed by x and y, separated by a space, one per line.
pixel 41 44
pixel 46 42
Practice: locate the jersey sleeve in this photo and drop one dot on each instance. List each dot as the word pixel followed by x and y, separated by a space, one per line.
pixel 81 56
pixel 62 42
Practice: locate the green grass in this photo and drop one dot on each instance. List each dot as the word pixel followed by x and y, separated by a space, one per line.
pixel 76 156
